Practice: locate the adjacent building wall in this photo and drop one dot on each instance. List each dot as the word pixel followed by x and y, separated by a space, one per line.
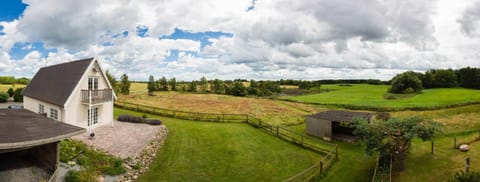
pixel 319 128
pixel 33 105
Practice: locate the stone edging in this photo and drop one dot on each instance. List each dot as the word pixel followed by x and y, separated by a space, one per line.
pixel 140 163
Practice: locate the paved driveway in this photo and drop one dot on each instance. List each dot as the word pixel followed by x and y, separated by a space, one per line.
pixel 123 139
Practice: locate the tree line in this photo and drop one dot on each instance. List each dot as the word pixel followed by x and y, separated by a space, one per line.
pixel 235 87
pixel 13 80
pixel 411 82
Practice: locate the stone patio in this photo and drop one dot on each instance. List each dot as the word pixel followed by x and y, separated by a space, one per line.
pixel 123 139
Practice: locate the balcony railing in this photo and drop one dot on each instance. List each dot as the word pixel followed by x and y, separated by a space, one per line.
pixel 96 96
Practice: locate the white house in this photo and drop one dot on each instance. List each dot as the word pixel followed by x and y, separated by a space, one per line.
pixel 76 92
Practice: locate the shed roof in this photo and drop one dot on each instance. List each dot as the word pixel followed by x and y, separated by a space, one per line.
pixel 54 84
pixel 20 128
pixel 337 115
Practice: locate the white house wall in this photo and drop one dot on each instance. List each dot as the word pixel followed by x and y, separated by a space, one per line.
pixel 33 105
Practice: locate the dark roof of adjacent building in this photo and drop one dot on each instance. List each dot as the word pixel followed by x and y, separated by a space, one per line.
pixel 20 128
pixel 54 84
pixel 337 115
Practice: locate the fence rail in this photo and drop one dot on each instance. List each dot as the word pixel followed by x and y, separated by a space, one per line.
pixel 329 150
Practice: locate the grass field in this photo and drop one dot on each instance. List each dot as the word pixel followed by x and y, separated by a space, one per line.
pixel 203 151
pixel 5 87
pixel 422 166
pixel 456 119
pixel 271 111
pixel 371 96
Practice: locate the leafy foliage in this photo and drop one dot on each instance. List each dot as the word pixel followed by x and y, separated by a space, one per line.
pixel 393 137
pixel 151 84
pixel 113 82
pixel 203 84
pixel 10 92
pixel 406 83
pixel 3 97
pixel 462 176
pixel 18 95
pixel 239 89
pixel 91 160
pixel 439 79
pixel 124 84
pixel 173 84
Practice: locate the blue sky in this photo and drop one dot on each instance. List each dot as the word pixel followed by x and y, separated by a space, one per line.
pixel 271 39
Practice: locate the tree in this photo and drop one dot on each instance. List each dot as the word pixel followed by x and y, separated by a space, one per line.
pixel 217 86
pixel 151 84
pixel 173 84
pixel 393 137
pixel 113 82
pixel 469 77
pixel 193 86
pixel 406 83
pixel 18 95
pixel 10 92
pixel 124 84
pixel 238 89
pixel 203 84
pixel 163 84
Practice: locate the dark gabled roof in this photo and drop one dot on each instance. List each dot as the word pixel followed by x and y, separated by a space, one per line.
pixel 54 84
pixel 336 115
pixel 20 128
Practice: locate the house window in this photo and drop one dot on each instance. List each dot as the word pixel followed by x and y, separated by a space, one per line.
pixel 94 116
pixel 54 114
pixel 41 109
pixel 92 83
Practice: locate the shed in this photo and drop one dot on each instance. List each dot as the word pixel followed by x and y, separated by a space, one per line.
pixel 29 148
pixel 333 123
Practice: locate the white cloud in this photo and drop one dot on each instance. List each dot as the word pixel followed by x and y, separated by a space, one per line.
pixel 277 39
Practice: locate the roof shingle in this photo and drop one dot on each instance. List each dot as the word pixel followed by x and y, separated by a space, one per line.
pixel 54 84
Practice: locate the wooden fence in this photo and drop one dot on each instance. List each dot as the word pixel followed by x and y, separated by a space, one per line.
pixel 328 150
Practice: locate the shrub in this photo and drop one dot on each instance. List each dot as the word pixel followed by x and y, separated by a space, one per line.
pixel 79 176
pixel 154 122
pixel 18 95
pixel 3 97
pixel 10 92
pixel 466 177
pixel 128 118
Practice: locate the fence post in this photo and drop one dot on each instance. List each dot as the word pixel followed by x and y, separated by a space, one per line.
pixel 277 130
pixel 198 116
pixel 260 123
pixel 223 117
pixel 124 105
pixel 455 142
pixel 137 107
pixel 302 141
pixel 321 167
pixel 271 128
pixel 247 118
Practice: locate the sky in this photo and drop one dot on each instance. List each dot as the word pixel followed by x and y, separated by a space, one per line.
pixel 249 39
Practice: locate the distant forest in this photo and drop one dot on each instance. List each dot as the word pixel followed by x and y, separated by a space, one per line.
pixel 13 80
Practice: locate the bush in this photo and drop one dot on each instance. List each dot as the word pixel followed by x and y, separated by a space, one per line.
pixel 128 118
pixel 18 95
pixel 10 92
pixel 154 122
pixel 79 176
pixel 3 97
pixel 466 177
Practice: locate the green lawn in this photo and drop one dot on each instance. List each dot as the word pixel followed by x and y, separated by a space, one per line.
pixel 422 166
pixel 203 151
pixel 371 97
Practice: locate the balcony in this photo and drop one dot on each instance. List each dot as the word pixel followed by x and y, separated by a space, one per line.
pixel 96 96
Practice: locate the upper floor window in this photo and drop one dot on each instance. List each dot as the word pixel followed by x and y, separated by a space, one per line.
pixel 54 114
pixel 41 108
pixel 92 83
